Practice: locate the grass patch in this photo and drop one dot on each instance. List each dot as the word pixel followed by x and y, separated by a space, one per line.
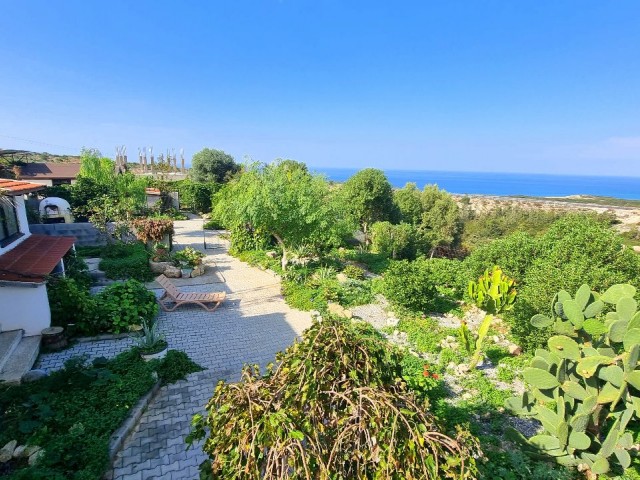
pixel 126 260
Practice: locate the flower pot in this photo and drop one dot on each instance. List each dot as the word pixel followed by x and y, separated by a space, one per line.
pixel 155 356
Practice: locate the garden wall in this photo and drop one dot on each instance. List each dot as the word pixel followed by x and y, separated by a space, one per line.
pixel 86 233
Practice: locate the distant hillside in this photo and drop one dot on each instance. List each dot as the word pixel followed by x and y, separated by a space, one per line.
pixel 11 156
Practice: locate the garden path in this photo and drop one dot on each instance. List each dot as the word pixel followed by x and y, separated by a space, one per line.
pixel 249 327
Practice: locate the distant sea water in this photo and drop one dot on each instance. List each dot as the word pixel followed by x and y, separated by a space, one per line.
pixel 505 184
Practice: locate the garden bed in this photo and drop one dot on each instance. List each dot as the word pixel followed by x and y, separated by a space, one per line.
pixel 74 412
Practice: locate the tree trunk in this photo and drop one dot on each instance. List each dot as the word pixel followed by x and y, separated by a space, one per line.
pixel 284 260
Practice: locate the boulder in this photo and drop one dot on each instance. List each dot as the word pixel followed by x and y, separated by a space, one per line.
pixel 272 254
pixel 342 278
pixel 172 272
pixel 515 350
pixel 19 451
pixel 197 271
pixel 34 457
pixel 6 452
pixel 159 267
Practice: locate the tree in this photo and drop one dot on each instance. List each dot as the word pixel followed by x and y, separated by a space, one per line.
pixel 409 203
pixel 368 197
pixel 440 218
pixel 282 200
pixel 210 165
pixel 394 241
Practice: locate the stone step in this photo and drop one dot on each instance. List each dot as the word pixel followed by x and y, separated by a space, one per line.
pixel 8 342
pixel 21 360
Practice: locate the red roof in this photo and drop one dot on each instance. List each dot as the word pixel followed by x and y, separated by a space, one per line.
pixel 49 170
pixel 15 187
pixel 34 258
pixel 152 191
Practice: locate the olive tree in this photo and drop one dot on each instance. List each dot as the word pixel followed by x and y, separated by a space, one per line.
pixel 283 200
pixel 408 201
pixel 368 197
pixel 210 165
pixel 441 223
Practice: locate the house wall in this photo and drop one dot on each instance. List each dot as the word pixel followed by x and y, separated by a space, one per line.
pixel 40 181
pixel 23 224
pixel 24 307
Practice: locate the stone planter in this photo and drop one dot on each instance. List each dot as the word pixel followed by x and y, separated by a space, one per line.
pixel 155 356
pixel 53 338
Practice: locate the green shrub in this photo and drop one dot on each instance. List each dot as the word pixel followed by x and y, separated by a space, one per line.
pixel 410 285
pixel 575 250
pixel 353 272
pixel 127 303
pixel 354 293
pixel 244 238
pixel 196 196
pixel 421 377
pixel 89 251
pixel 126 260
pixel 71 303
pixel 514 254
pixel 213 224
pixel 394 241
pixel 176 365
pixel 334 391
pixel 75 267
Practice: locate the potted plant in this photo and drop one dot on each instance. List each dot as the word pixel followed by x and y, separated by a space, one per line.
pixel 188 259
pixel 151 344
pixel 160 251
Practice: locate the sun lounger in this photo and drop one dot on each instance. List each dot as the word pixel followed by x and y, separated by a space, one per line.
pixel 172 294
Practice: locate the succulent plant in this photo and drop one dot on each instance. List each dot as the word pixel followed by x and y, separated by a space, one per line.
pixel 585 387
pixel 494 293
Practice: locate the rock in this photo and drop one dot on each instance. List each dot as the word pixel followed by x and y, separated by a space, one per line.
pixel 34 457
pixel 339 310
pixel 172 272
pixel 392 322
pixel 467 396
pixel 159 267
pixel 272 254
pixel 342 278
pixel 496 339
pixel 197 271
pixel 636 248
pixel 462 369
pixel 6 452
pixel 30 450
pixel 19 451
pixel 451 366
pixel 515 350
pixel 34 375
pixel 314 313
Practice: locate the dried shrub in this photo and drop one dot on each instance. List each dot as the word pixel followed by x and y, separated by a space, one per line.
pixel 152 229
pixel 335 407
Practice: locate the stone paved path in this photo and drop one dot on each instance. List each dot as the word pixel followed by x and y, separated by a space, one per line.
pixel 249 327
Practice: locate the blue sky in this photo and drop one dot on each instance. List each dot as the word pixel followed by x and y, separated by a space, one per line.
pixel 526 86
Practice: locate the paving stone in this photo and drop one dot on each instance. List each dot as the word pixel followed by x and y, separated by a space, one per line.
pixel 251 325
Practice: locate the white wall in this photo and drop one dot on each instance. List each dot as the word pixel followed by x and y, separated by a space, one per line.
pixel 24 307
pixel 48 183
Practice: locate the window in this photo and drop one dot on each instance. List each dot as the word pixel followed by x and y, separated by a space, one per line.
pixel 9 227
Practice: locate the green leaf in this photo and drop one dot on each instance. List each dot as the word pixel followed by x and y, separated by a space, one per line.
pixel 574 390
pixel 594 309
pixel 588 365
pixel 582 296
pixel 573 312
pixel 623 457
pixel 600 466
pixel 296 435
pixel 539 378
pixel 608 394
pixel 594 327
pixel 631 339
pixel 633 379
pixel 612 374
pixel 545 442
pixel 564 347
pixel 626 308
pixel 617 331
pixel 541 321
pixel 579 441
pixel 618 291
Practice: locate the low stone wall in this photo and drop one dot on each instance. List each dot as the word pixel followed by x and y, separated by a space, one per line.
pixel 86 233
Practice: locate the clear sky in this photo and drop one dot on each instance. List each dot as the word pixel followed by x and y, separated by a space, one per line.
pixel 545 86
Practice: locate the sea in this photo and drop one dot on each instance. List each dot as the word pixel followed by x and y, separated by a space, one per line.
pixel 505 184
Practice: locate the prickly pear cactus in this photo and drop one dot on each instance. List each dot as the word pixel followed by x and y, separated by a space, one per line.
pixel 585 388
pixel 495 293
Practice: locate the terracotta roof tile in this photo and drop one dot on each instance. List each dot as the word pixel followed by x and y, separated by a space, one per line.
pixel 34 258
pixel 15 187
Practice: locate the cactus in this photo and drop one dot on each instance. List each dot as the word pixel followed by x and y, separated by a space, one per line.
pixel 586 383
pixel 494 293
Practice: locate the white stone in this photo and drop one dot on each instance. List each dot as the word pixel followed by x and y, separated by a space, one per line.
pixel 6 452
pixel 515 350
pixel 19 451
pixel 342 278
